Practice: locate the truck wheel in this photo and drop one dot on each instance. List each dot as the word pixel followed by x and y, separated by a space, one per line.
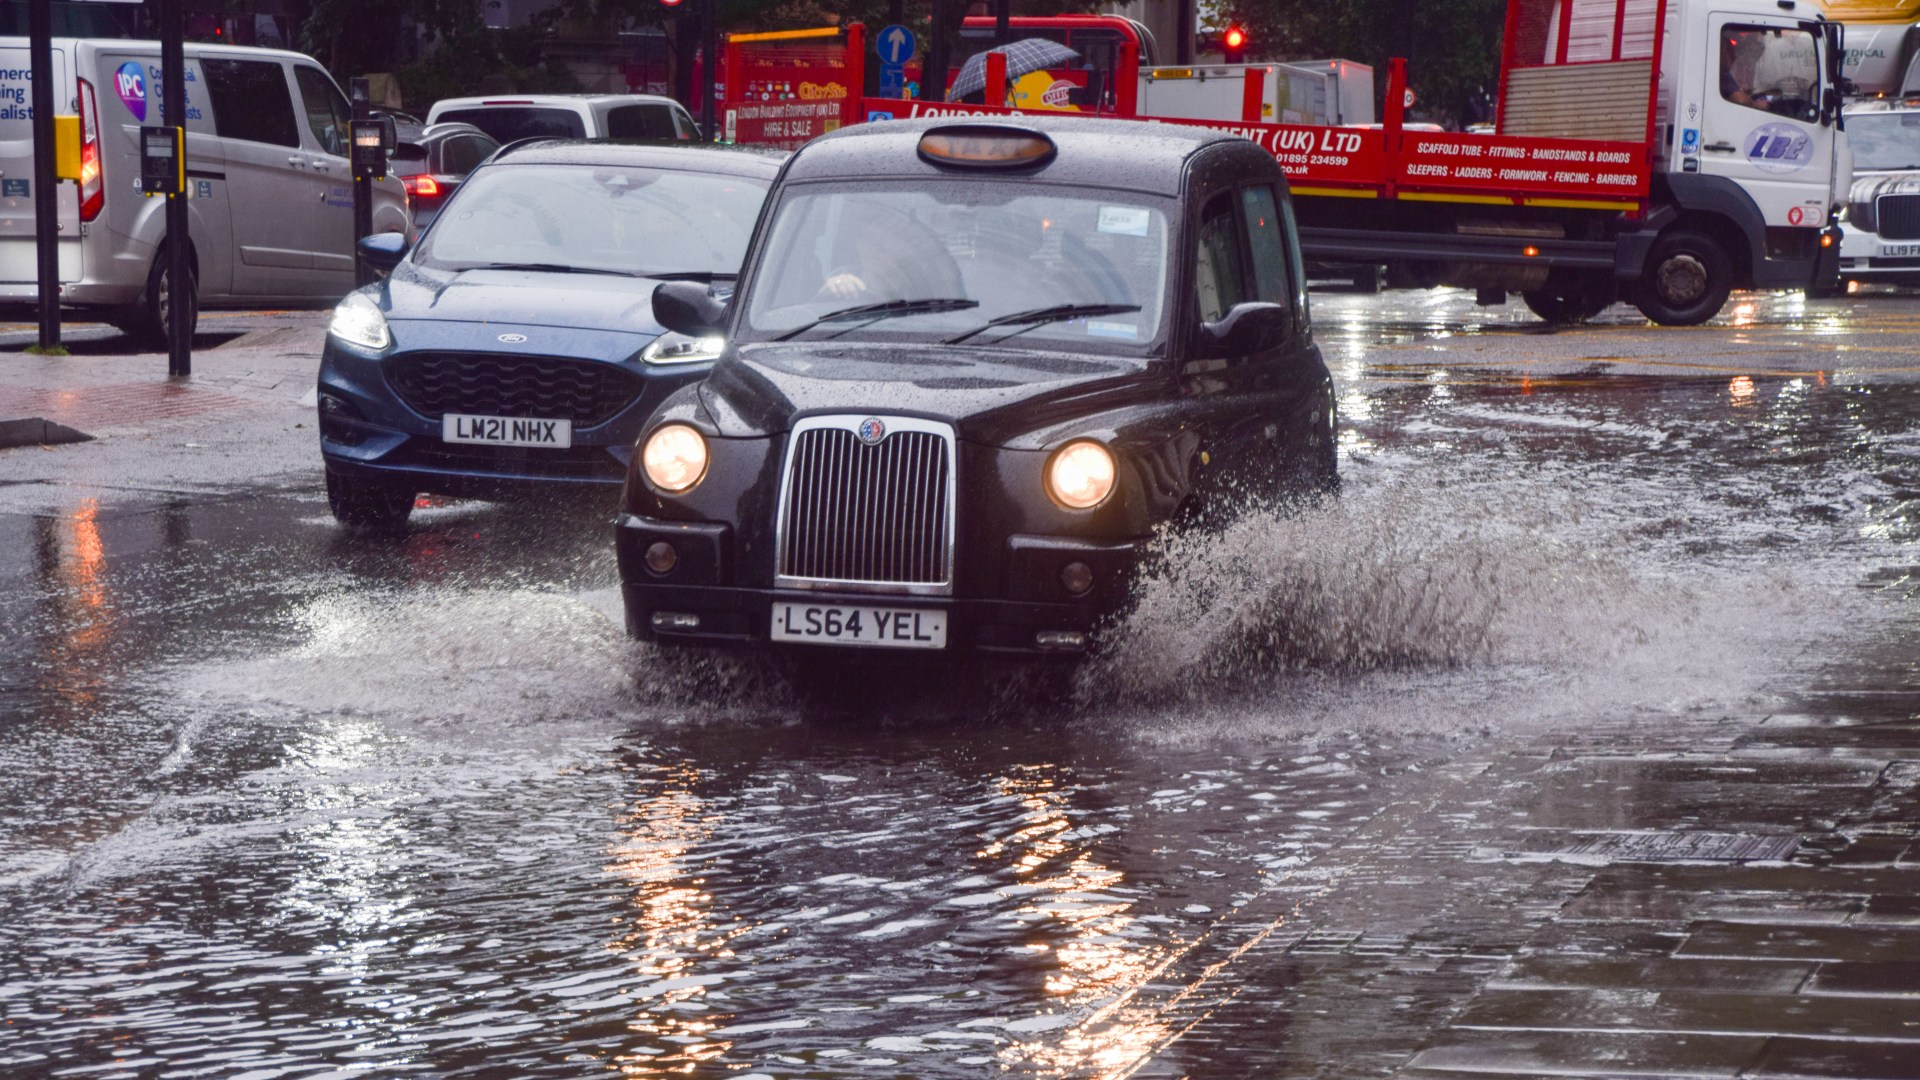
pixel 1686 281
pixel 368 506
pixel 1573 301
pixel 147 322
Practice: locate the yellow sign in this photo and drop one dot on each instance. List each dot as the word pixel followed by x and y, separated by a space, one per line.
pixel 66 147
pixel 1039 90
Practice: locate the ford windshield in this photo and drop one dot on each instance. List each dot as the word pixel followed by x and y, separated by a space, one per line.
pixel 1056 267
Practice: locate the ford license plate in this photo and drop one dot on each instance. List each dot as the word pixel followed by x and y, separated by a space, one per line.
pixel 1899 251
pixel 506 431
pixel 847 624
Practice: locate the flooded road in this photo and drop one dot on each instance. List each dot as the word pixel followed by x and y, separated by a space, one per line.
pixel 1581 737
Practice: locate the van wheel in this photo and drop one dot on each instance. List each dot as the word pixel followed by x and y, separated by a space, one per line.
pixel 368 506
pixel 1575 300
pixel 1686 281
pixel 148 321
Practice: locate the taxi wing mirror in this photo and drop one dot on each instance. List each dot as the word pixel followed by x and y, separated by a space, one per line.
pixel 1248 328
pixel 688 307
pixel 383 251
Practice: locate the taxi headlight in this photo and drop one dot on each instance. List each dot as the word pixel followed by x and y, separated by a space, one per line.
pixel 358 321
pixel 672 348
pixel 1081 475
pixel 675 458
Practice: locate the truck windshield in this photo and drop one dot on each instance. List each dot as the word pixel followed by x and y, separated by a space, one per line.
pixel 943 261
pixel 1884 140
pixel 595 219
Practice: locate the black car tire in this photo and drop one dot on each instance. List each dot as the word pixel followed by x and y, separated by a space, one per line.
pixel 147 320
pixel 1574 300
pixel 1686 281
pixel 372 507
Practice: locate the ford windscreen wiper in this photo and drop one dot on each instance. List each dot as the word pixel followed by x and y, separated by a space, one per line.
pixel 1042 316
pixel 885 309
pixel 708 276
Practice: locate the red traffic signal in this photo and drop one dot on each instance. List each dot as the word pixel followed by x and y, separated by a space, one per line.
pixel 1233 45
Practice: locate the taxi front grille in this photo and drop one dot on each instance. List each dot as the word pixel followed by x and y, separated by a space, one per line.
pixel 1899 217
pixel 544 387
pixel 869 517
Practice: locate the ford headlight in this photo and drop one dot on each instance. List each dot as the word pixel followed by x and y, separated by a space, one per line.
pixel 675 458
pixel 671 348
pixel 1080 476
pixel 358 321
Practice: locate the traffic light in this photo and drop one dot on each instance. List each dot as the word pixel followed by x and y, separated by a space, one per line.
pixel 1233 45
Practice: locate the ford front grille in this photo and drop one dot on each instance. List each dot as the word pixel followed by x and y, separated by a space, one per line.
pixel 867 504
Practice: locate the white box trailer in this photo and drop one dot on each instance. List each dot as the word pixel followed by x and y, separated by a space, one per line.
pixel 1329 92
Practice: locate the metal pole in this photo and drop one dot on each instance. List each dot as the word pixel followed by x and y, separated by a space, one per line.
pixel 709 66
pixel 173 110
pixel 933 79
pixel 1002 21
pixel 46 203
pixel 361 95
pixel 1183 32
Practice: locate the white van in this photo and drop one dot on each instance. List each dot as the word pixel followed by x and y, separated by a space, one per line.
pixel 270 194
pixel 507 117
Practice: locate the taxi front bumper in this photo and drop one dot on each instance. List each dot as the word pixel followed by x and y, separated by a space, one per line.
pixel 699 600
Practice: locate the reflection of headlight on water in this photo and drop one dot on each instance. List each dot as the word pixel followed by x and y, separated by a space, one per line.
pixel 1741 390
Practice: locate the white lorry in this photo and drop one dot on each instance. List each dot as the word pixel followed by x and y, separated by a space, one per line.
pixel 1880 242
pixel 1336 93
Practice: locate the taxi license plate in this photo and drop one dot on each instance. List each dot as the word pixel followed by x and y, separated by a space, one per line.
pixel 846 624
pixel 1899 251
pixel 506 431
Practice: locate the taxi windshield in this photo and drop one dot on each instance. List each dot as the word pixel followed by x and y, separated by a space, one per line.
pixel 603 219
pixel 964 261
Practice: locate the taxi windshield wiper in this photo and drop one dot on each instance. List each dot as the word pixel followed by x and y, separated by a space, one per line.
pixel 708 276
pixel 1042 316
pixel 885 309
pixel 551 268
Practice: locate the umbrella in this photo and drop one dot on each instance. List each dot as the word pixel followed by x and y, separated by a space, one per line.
pixel 1024 56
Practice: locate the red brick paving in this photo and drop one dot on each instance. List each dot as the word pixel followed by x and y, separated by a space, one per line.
pixel 92 408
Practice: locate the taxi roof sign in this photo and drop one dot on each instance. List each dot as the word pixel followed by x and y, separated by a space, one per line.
pixel 986 146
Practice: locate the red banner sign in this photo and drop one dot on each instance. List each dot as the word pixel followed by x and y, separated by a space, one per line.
pixel 1570 168
pixel 1324 155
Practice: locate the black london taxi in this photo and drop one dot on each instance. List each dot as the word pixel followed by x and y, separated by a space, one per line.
pixel 970 369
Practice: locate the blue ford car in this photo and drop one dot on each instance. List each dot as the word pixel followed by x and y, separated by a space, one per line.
pixel 515 347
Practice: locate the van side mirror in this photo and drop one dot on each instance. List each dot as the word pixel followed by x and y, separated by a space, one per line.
pixel 1248 328
pixel 383 251
pixel 687 307
pixel 1830 111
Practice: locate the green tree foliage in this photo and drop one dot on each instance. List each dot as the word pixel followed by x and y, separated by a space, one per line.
pixel 1452 47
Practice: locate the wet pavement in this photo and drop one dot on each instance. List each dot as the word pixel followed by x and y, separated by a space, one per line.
pixel 1581 738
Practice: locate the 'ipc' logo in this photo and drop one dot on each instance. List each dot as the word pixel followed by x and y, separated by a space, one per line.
pixel 130 82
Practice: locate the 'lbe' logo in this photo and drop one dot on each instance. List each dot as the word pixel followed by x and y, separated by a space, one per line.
pixel 131 84
pixel 1779 148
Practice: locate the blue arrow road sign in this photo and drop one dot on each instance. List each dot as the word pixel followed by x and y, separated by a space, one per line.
pixel 894 44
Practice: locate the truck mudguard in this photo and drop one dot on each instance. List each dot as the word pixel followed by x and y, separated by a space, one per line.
pixel 1678 194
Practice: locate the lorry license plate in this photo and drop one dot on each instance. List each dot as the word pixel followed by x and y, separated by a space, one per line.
pixel 1899 251
pixel 846 624
pixel 506 431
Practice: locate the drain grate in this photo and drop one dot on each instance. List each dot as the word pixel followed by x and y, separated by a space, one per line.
pixel 1681 847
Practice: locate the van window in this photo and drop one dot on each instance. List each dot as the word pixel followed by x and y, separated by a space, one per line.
pixel 640 122
pixel 510 122
pixel 251 101
pixel 326 110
